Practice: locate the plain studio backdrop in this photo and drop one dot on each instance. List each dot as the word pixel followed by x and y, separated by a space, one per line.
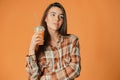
pixel 95 22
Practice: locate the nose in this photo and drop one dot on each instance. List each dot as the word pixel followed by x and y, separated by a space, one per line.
pixel 57 18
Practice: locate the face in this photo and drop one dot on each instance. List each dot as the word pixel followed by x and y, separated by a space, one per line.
pixel 54 18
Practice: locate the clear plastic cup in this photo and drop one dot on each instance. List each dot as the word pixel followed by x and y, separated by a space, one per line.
pixel 40 29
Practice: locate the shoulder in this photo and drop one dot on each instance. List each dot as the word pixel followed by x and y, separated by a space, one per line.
pixel 71 37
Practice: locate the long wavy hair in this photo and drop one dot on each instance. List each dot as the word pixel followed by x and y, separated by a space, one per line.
pixel 62 30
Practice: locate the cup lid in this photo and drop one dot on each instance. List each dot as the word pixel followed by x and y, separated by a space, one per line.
pixel 39 28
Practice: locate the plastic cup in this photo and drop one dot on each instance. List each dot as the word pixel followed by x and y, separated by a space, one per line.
pixel 40 29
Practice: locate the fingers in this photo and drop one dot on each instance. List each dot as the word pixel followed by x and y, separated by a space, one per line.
pixel 40 42
pixel 37 39
pixel 38 35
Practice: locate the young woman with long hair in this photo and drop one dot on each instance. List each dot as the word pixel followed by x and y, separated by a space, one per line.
pixel 59 57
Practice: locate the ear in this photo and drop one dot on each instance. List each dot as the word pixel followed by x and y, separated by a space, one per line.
pixel 46 19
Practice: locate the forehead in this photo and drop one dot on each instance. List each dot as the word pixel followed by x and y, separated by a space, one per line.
pixel 56 10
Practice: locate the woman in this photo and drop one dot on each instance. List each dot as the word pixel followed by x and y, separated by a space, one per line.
pixel 59 57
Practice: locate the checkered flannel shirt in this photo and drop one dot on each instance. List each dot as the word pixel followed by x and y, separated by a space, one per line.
pixel 61 62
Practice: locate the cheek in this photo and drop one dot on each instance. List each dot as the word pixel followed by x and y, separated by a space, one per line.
pixel 47 20
pixel 61 22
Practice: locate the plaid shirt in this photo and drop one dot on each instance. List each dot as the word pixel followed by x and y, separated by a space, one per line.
pixel 61 62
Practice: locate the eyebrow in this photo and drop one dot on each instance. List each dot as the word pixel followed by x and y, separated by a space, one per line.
pixel 55 13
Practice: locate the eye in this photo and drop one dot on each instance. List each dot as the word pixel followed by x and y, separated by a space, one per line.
pixel 52 14
pixel 61 16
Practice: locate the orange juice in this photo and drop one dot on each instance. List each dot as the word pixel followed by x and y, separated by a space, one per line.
pixel 40 29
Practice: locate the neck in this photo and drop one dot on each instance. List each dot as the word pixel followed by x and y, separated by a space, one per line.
pixel 54 35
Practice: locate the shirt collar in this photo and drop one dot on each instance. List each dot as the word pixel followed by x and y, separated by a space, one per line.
pixel 60 40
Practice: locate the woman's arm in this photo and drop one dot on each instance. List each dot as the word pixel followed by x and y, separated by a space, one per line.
pixel 32 68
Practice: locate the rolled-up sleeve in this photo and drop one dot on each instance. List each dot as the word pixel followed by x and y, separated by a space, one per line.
pixel 32 67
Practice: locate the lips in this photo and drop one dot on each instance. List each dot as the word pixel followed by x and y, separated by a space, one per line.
pixel 55 23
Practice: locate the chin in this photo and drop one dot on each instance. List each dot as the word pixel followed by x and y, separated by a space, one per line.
pixel 56 28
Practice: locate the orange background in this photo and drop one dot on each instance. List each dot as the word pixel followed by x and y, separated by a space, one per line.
pixel 95 22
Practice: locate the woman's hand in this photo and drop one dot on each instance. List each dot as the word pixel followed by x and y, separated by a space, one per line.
pixel 35 42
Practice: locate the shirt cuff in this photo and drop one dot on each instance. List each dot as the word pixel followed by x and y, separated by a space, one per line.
pixel 29 57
